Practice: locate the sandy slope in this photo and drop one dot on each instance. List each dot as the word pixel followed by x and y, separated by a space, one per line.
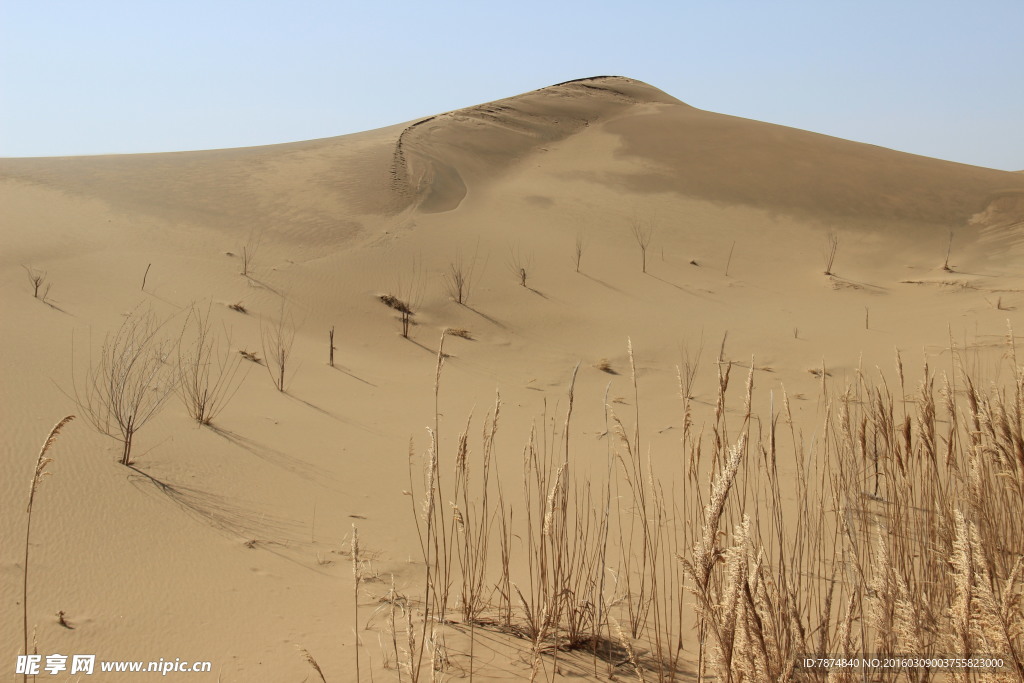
pixel 211 551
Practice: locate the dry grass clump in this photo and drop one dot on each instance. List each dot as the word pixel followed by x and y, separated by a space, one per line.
pixel 458 332
pixel 404 309
pixel 238 307
pixel 906 536
pixel 250 356
pixel 604 365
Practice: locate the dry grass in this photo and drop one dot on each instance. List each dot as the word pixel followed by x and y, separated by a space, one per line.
pixel 37 476
pixel 250 356
pixel 905 536
pixel 305 654
pixel 404 309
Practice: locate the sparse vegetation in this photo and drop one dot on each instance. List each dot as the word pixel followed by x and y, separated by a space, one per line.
pixel 277 338
pixel 581 246
pixel 405 296
pixel 831 247
pixel 642 233
pixel 207 369
pixel 404 310
pixel 250 249
pixel 130 381
pixel 949 250
pixel 459 279
pixel 520 264
pixel 37 278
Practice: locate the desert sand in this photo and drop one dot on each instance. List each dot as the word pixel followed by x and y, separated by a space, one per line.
pixel 231 543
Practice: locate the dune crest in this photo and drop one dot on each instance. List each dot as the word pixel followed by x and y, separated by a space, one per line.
pixel 434 156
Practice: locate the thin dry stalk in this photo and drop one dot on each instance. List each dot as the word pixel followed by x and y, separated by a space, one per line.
pixel 40 471
pixel 831 247
pixel 356 578
pixel 520 264
pixel 581 246
pixel 250 249
pixel 312 662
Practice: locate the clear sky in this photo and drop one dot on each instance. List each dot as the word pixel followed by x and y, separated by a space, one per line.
pixel 943 79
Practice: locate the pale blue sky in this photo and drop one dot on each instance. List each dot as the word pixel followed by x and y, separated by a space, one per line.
pixel 943 79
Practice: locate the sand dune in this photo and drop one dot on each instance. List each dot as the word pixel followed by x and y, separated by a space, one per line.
pixel 229 545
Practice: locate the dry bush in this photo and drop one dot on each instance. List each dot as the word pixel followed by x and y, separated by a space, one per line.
pixel 37 278
pixel 277 338
pixel 460 277
pixel 405 295
pixel 130 381
pixel 642 233
pixel 207 368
